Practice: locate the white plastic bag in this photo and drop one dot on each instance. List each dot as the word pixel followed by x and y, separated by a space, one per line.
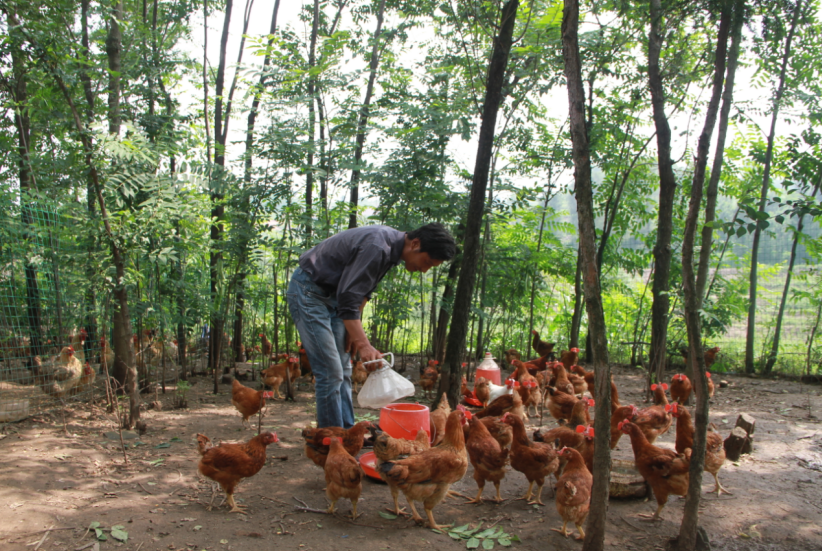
pixel 384 386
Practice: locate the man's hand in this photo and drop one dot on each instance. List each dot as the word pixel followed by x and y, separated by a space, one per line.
pixel 356 341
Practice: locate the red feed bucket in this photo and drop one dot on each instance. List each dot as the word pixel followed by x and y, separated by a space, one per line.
pixel 405 420
pixel 492 375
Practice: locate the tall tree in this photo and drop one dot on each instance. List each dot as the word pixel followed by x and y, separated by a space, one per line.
pixel 217 207
pixel 595 535
pixel 17 88
pixel 450 380
pixel 750 334
pixel 692 300
pixel 667 190
pixel 362 122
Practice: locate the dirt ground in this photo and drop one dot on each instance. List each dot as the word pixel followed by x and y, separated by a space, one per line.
pixel 67 479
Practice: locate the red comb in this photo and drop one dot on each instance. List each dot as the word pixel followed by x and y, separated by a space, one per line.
pixel 326 441
pixel 580 429
pixel 436 362
pixel 668 407
pixel 575 350
pixel 516 384
pixel 653 386
pixel 664 386
pixel 261 334
pixel 589 432
pixel 707 374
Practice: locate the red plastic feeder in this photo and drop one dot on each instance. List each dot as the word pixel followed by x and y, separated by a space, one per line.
pixel 368 462
pixel 405 420
pixel 492 375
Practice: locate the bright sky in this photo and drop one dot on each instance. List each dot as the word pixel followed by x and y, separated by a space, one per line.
pixel 462 152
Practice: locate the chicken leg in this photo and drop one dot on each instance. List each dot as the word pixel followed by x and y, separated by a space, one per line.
pixel 655 516
pixel 414 514
pixel 527 496
pixel 432 523
pixel 565 532
pixel 499 497
pixel 395 493
pixel 538 501
pixel 234 507
pixel 719 488
pixel 480 487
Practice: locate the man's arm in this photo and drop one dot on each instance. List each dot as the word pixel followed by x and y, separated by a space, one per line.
pixel 357 341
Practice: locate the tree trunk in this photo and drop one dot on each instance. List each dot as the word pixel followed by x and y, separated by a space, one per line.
pixel 446 305
pixel 576 317
pixel 450 380
pixel 750 334
pixel 123 346
pixel 218 209
pixel 667 190
pixel 85 79
pixel 692 300
pixel 595 533
pixel 716 169
pixel 22 122
pixel 539 248
pixel 363 120
pixel 312 90
pixel 114 46
pixel 778 329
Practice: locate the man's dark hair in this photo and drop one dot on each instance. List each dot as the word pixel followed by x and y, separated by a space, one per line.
pixel 435 240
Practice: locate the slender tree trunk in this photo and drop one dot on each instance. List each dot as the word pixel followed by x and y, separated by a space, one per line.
pixel 22 122
pixel 811 337
pixel 450 380
pixel 595 533
pixel 719 156
pixel 114 46
pixel 576 317
pixel 548 196
pixel 363 120
pixel 667 190
pixel 123 346
pixel 750 334
pixel 218 209
pixel 692 301
pixel 446 304
pixel 312 90
pixel 778 329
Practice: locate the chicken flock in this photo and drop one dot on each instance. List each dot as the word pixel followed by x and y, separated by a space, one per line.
pixel 491 439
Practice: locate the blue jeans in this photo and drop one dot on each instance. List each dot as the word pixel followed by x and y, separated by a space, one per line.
pixel 314 311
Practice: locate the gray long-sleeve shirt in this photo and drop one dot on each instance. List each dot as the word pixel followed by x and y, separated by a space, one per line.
pixel 352 263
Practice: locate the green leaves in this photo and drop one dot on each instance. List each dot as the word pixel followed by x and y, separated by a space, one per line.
pixel 475 536
pixel 117 532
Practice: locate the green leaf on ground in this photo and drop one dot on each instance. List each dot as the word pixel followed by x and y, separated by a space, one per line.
pixel 505 542
pixel 119 534
pixel 163 445
pixel 157 461
pixel 387 515
pixel 473 543
pixel 487 544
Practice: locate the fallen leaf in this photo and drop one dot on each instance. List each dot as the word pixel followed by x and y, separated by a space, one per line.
pixel 119 534
pixel 198 527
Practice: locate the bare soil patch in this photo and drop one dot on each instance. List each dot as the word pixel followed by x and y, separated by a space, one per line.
pixel 67 479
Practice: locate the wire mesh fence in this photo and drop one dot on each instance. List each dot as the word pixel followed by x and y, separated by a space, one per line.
pixel 48 353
